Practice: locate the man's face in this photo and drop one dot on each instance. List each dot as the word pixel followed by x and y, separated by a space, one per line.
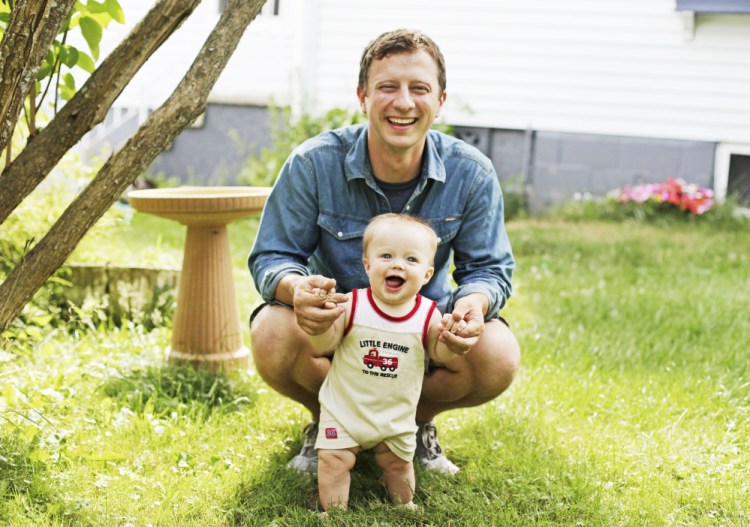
pixel 402 101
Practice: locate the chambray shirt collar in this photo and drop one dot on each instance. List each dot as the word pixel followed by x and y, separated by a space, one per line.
pixel 357 163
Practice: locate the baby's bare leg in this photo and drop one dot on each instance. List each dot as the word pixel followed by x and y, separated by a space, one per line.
pixel 334 477
pixel 398 475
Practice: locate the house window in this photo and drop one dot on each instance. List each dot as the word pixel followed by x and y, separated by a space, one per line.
pixel 738 182
pixel 269 8
pixel 714 6
pixel 732 172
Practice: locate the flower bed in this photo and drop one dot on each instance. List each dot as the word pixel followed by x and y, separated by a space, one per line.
pixel 673 194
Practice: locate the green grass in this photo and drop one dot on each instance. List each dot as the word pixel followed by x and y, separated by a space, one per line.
pixel 632 406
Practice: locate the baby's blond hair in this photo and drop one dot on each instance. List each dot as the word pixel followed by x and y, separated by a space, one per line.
pixel 394 218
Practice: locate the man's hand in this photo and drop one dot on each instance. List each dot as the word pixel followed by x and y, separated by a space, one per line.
pixel 317 304
pixel 461 329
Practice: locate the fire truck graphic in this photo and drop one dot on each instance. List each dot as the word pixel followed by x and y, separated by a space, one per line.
pixel 373 358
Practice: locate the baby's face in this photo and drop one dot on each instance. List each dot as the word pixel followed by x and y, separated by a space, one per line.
pixel 398 262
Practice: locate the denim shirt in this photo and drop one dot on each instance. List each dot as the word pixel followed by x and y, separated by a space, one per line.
pixel 326 194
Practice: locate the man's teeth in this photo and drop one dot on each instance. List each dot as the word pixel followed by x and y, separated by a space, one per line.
pixel 395 120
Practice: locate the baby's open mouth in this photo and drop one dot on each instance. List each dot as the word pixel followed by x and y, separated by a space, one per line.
pixel 394 282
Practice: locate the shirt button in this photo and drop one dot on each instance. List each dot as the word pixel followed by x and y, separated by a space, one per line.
pixel 339 234
pixel 408 207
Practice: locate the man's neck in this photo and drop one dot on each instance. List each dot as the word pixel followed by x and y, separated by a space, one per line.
pixel 396 167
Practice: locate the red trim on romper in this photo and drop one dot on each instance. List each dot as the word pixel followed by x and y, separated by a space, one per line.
pixel 351 315
pixel 427 324
pixel 389 317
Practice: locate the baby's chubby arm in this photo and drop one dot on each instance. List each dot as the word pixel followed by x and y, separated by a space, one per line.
pixel 328 339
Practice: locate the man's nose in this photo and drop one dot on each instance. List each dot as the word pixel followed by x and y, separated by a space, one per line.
pixel 404 100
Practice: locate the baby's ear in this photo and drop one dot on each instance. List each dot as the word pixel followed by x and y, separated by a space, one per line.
pixel 366 263
pixel 428 275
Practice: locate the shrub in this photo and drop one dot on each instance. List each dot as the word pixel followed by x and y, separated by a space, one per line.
pixel 50 307
pixel 670 203
pixel 262 169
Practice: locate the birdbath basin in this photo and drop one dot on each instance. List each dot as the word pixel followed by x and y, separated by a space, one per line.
pixel 206 326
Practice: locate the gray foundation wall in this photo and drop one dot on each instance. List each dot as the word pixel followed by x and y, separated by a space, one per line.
pixel 554 166
pixel 213 152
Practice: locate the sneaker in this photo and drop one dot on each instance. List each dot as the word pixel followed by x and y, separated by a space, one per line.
pixel 429 454
pixel 307 459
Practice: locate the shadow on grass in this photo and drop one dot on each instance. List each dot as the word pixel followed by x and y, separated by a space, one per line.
pixel 521 483
pixel 276 495
pixel 181 389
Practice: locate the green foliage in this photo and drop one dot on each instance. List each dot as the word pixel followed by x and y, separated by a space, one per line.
pixel 262 169
pixel 184 391
pixel 514 199
pixel 89 17
pixel 50 307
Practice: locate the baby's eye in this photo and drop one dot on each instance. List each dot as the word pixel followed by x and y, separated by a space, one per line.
pixel 386 256
pixel 412 259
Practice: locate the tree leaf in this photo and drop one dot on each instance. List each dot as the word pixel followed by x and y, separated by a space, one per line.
pixel 85 62
pixel 69 56
pixel 69 81
pixel 92 32
pixel 114 9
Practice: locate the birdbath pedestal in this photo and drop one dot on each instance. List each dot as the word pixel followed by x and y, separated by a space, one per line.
pixel 206 326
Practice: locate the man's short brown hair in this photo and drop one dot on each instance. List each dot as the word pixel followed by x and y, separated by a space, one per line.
pixel 400 41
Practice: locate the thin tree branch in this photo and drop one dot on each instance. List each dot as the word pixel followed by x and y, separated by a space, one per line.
pixel 31 29
pixel 185 104
pixel 90 104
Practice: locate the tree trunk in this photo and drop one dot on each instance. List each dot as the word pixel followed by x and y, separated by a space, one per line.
pixel 32 27
pixel 90 104
pixel 185 104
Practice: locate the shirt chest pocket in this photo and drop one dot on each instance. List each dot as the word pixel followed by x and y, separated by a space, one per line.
pixel 446 228
pixel 340 249
pixel 342 229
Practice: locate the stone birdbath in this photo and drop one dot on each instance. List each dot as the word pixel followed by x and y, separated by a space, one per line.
pixel 206 326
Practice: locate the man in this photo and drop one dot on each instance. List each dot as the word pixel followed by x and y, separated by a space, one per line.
pixel 310 238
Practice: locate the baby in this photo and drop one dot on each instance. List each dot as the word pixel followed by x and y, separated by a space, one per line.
pixel 369 398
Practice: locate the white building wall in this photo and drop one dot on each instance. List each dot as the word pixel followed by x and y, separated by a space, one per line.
pixel 592 66
pixel 262 68
pixel 620 67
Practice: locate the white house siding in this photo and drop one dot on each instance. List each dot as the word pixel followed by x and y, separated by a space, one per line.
pixel 261 68
pixel 620 67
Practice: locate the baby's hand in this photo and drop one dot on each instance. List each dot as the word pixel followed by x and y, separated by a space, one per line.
pixel 326 296
pixel 448 323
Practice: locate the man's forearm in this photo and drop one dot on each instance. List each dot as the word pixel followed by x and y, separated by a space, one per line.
pixel 476 301
pixel 285 289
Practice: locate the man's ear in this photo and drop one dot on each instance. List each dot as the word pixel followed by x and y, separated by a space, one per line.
pixel 361 96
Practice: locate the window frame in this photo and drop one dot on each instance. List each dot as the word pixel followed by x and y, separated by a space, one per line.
pixel 713 6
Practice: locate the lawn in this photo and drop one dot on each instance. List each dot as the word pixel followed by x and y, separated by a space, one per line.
pixel 632 406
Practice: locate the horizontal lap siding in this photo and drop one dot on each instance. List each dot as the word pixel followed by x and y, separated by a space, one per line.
pixel 596 66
